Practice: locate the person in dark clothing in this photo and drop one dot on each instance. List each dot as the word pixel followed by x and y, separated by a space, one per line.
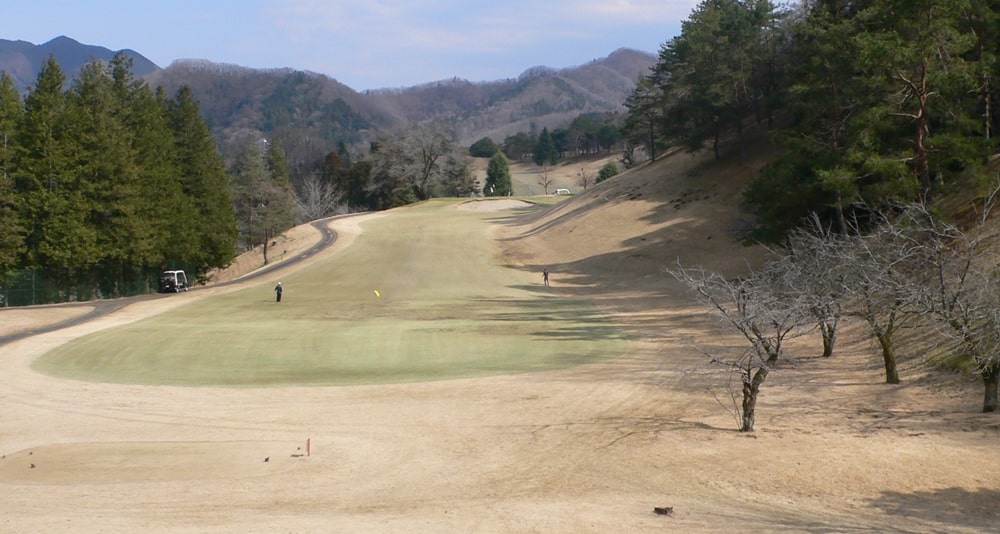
pixel 545 276
pixel 277 292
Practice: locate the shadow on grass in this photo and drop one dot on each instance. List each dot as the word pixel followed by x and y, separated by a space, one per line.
pixel 566 319
pixel 950 507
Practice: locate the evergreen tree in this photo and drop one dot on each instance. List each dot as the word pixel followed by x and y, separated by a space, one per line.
pixel 11 227
pixel 161 200
pixel 820 170
pixel 279 213
pixel 484 148
pixel 498 183
pixel 158 197
pixel 59 238
pixel 207 209
pixel 887 100
pixel 645 105
pixel 249 180
pixel 918 51
pixel 360 178
pixel 545 152
pixel 11 114
pixel 265 202
pixel 333 172
pixel 518 146
pixel 608 170
pixel 459 179
pixel 392 175
pixel 99 114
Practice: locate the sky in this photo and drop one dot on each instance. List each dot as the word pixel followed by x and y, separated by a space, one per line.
pixel 365 44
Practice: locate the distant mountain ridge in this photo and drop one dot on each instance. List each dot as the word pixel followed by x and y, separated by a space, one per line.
pixel 310 113
pixel 23 60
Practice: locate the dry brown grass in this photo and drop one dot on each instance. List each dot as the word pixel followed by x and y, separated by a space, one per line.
pixel 588 449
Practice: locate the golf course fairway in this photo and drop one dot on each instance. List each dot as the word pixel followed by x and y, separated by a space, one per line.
pixel 419 295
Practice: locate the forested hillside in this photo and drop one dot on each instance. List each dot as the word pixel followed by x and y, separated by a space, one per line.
pixel 881 191
pixel 867 101
pixel 311 113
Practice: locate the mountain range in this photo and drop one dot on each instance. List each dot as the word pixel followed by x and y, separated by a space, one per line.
pixel 310 113
pixel 22 60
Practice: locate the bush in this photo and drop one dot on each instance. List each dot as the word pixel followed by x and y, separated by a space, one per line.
pixel 484 148
pixel 607 171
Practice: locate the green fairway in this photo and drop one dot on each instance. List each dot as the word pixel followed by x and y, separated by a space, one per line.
pixel 446 310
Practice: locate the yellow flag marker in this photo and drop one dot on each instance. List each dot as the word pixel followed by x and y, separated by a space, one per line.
pixel 377 294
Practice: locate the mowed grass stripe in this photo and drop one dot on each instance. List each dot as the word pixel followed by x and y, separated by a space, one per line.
pixel 447 310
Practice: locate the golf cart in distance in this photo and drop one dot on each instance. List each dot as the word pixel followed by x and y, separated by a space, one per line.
pixel 173 282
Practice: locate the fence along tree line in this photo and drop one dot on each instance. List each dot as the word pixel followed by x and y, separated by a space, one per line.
pixel 106 182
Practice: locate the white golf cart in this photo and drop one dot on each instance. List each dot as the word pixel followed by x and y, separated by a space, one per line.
pixel 173 282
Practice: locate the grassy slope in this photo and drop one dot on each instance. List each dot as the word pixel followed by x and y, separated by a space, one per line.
pixel 446 310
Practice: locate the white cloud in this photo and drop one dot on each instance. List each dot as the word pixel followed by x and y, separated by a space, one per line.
pixel 428 40
pixel 635 10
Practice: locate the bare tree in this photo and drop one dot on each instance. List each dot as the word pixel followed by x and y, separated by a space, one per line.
pixel 960 286
pixel 818 275
pixel 878 285
pixel 428 145
pixel 544 180
pixel 317 198
pixel 763 309
pixel 584 179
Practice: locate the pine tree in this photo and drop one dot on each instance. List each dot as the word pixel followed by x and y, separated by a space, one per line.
pixel 99 116
pixel 278 211
pixel 11 227
pixel 265 201
pixel 644 112
pixel 59 238
pixel 207 210
pixel 498 182
pixel 545 152
pixel 917 51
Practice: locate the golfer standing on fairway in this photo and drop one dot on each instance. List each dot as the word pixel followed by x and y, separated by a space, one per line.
pixel 277 292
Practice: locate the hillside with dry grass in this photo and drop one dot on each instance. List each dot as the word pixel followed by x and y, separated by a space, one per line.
pixel 592 448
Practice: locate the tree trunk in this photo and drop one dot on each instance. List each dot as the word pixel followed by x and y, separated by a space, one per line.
pixel 889 357
pixel 751 388
pixel 991 377
pixel 829 330
pixel 918 90
pixel 652 143
pixel 267 239
pixel 841 219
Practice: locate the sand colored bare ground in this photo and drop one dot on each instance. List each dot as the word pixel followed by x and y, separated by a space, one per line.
pixel 13 320
pixel 588 449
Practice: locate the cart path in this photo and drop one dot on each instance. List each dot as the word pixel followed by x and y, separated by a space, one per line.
pixel 105 307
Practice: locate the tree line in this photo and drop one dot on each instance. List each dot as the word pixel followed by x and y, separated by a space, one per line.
pixel 105 181
pixel 878 110
pixel 866 101
pixel 588 133
pixel 423 161
pixel 399 167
